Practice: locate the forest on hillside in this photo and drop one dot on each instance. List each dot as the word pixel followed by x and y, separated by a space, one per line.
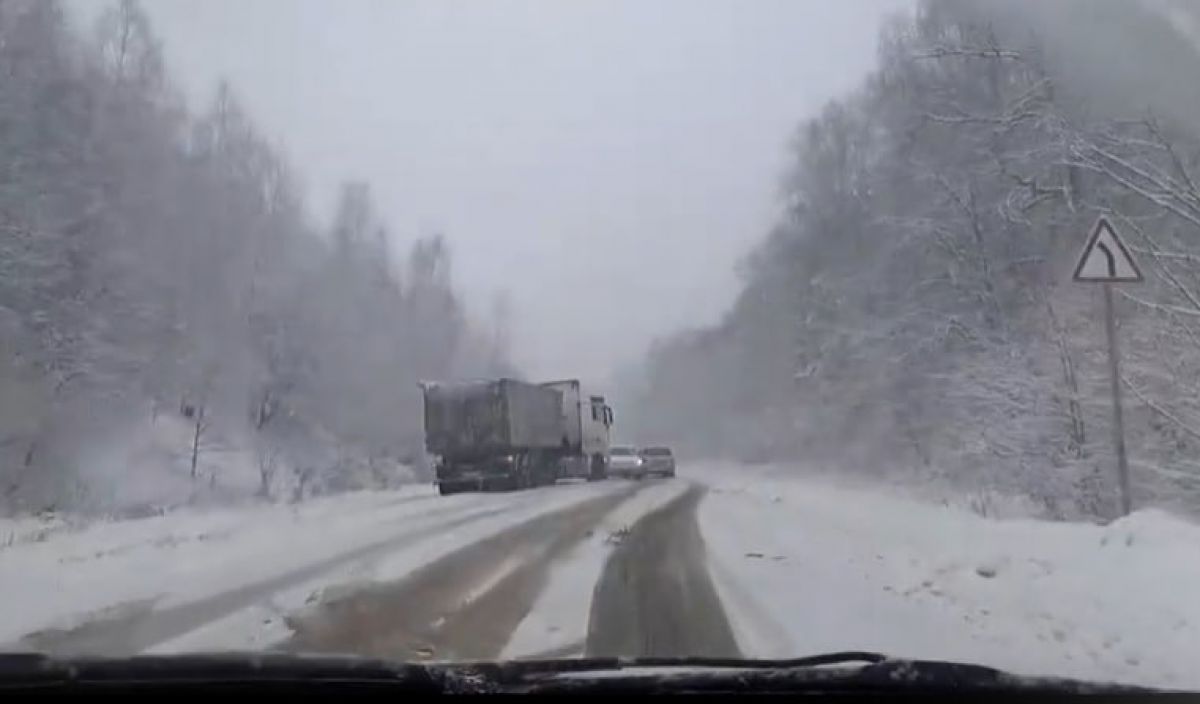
pixel 175 324
pixel 912 316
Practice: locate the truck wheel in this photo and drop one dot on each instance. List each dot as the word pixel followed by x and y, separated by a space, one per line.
pixel 543 472
pixel 502 483
pixel 597 472
pixel 523 476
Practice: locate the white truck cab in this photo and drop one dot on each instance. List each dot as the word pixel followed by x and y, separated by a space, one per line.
pixel 587 425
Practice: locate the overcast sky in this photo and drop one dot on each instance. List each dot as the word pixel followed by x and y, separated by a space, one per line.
pixel 605 162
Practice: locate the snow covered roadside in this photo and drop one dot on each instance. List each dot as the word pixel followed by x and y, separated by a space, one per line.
pixel 804 567
pixel 72 576
pixel 557 625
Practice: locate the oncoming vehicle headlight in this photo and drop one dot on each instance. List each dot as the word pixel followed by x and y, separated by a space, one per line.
pixel 509 459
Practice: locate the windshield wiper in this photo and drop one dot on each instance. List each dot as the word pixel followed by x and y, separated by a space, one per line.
pixel 832 672
pixel 274 672
pixel 618 663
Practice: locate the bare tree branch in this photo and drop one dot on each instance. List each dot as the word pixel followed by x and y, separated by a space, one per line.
pixel 1159 409
pixel 1163 307
pixel 942 52
pixel 1162 269
pixel 1180 256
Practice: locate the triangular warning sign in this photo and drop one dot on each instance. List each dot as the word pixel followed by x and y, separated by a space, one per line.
pixel 1105 257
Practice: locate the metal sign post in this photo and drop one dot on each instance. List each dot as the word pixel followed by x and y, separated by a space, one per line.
pixel 1114 370
pixel 1106 260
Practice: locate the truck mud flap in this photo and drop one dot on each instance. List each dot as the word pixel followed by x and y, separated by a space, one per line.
pixel 446 487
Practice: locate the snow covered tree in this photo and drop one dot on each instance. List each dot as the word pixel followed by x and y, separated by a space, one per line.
pixel 159 266
pixel 912 315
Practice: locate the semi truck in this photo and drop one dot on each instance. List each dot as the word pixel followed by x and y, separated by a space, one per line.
pixel 506 434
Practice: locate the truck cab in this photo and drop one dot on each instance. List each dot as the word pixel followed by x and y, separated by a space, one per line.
pixel 596 428
pixel 587 421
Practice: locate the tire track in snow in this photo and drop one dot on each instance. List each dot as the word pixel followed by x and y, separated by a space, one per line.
pixel 557 625
pixel 464 606
pixel 130 628
pixel 655 597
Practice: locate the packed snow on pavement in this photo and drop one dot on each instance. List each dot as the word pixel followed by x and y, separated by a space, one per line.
pixel 558 618
pixel 243 571
pixel 59 575
pixel 557 625
pixel 806 566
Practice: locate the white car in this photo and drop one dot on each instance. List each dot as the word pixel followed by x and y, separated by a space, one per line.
pixel 626 462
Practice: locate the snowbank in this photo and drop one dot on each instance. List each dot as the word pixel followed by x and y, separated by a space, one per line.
pixel 804 566
pixel 130 468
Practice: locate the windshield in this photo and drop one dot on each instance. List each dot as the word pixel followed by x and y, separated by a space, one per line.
pixel 321 322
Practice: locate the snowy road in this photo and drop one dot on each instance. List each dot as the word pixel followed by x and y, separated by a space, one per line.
pixel 725 560
pixel 406 576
